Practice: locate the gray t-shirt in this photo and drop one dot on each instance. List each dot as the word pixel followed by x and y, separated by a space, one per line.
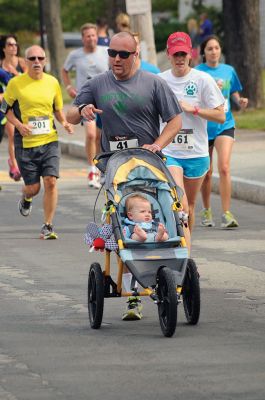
pixel 87 65
pixel 131 108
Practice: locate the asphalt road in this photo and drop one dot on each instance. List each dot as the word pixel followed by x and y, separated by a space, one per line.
pixel 47 349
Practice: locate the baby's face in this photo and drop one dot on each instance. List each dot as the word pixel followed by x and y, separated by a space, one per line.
pixel 141 212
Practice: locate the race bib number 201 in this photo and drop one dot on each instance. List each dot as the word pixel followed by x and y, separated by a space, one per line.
pixel 39 125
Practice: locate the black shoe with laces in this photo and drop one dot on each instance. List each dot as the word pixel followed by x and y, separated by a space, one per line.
pixel 25 207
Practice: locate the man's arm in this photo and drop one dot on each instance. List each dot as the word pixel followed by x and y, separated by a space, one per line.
pixel 67 83
pixel 167 135
pixel 23 129
pixel 88 111
pixel 59 115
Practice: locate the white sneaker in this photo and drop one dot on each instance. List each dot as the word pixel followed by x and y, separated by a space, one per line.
pixel 206 217
pixel 229 221
pixel 133 311
pixel 93 180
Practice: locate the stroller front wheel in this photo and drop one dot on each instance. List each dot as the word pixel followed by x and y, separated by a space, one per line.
pixel 95 295
pixel 191 294
pixel 167 301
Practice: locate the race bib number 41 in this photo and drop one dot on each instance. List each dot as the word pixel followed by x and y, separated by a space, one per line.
pixel 184 140
pixel 39 125
pixel 122 142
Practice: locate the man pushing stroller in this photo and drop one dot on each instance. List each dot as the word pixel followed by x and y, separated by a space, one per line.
pixel 130 102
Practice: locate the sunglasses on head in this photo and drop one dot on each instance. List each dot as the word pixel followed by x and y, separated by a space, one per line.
pixel 33 58
pixel 122 53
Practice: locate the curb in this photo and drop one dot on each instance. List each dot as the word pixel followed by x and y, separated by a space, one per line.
pixel 242 189
pixel 74 148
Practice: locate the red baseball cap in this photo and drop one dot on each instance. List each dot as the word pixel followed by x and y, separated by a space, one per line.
pixel 179 41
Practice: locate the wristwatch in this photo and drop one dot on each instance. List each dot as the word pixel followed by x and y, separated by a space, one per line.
pixel 80 108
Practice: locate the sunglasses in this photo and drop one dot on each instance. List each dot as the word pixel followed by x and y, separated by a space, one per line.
pixel 122 53
pixel 33 58
pixel 11 44
pixel 180 54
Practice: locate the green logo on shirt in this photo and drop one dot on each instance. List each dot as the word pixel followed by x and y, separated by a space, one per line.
pixel 191 89
pixel 120 107
pixel 122 102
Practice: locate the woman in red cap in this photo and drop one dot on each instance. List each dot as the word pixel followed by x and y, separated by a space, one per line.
pixel 201 100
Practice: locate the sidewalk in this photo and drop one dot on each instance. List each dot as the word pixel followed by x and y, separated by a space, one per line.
pixel 247 165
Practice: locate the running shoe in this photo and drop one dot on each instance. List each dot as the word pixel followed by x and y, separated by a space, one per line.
pixel 228 220
pixel 206 217
pixel 134 309
pixel 93 180
pixel 14 173
pixel 25 207
pixel 47 232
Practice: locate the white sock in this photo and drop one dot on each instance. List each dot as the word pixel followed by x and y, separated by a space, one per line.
pixel 126 280
pixel 92 168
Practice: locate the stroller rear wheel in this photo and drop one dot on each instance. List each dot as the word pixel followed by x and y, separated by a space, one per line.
pixel 191 293
pixel 167 301
pixel 95 295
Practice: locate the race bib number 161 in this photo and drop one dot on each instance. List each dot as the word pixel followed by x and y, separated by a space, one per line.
pixel 184 140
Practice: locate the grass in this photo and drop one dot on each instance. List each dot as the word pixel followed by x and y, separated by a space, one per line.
pixel 250 119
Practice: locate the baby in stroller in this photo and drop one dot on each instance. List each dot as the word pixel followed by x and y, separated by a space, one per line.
pixel 139 224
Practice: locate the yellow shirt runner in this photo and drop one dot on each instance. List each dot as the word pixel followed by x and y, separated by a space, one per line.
pixel 34 102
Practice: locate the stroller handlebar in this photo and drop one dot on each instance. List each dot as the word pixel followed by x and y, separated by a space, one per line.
pixel 101 159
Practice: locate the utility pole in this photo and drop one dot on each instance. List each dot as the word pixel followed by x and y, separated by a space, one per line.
pixel 52 16
pixel 41 24
pixel 140 12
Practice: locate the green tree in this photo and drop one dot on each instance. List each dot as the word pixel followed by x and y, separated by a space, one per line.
pixel 18 15
pixel 166 5
pixel 75 14
pixel 242 41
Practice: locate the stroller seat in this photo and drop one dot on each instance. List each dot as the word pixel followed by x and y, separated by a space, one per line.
pixel 166 217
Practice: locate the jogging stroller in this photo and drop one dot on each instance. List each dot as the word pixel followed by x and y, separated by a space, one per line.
pixel 163 269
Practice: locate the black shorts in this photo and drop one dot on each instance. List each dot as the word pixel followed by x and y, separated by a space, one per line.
pixel 228 132
pixel 2 131
pixel 38 161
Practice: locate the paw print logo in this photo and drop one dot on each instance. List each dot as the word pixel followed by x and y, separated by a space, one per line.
pixel 191 89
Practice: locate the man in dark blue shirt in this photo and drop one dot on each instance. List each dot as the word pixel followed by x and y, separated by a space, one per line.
pixel 206 27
